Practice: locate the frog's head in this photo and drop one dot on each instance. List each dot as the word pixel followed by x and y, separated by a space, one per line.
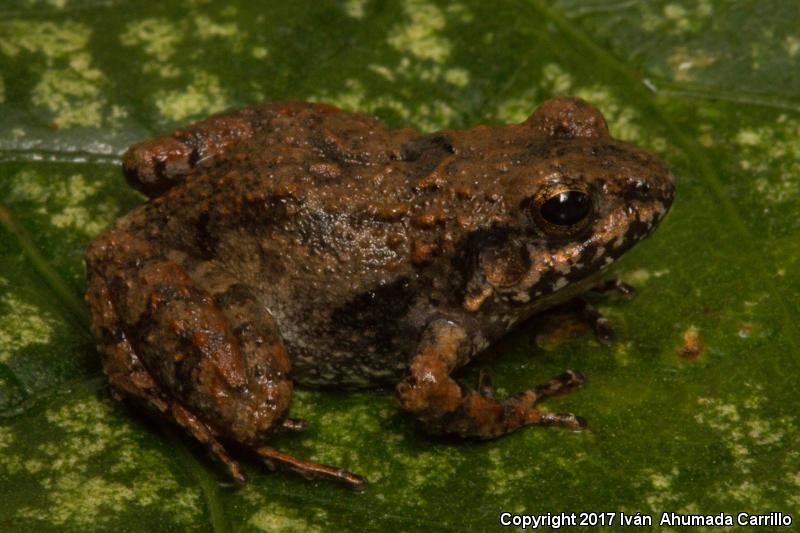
pixel 576 199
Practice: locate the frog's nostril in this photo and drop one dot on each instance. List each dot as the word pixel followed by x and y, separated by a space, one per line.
pixel 641 190
pixel 666 191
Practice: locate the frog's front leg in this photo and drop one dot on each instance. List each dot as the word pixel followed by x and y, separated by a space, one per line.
pixel 445 407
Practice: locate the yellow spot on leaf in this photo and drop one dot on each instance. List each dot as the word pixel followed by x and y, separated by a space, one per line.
pixel 73 94
pixel 203 96
pixel 770 155
pixel 157 37
pixel 674 11
pixel 518 108
pixel 68 86
pixel 420 36
pixel 354 8
pixel 276 517
pixel 206 28
pixel 792 45
pixel 22 324
pixel 79 495
pixel 748 137
pixel 556 79
pixel 68 201
pixel 52 39
pixel 457 76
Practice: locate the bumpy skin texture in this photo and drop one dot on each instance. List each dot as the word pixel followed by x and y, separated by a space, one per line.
pixel 296 242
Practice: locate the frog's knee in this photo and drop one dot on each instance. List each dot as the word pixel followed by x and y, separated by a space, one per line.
pixel 98 252
pixel 116 249
pixel 155 165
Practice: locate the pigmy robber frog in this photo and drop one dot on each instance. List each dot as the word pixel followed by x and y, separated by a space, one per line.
pixel 293 241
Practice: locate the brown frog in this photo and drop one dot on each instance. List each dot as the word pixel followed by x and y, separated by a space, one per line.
pixel 293 241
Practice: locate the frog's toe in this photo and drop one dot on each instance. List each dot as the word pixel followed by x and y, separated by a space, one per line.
pixel 444 406
pixel 308 469
pixel 614 284
pixel 603 329
pixel 485 386
pixel 200 431
pixel 294 425
pixel 546 418
pixel 560 384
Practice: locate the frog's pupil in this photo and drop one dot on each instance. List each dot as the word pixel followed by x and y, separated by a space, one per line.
pixel 566 208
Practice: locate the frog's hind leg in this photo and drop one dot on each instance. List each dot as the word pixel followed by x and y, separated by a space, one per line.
pixel 166 342
pixel 445 407
pixel 310 469
pixel 211 359
pixel 205 436
pixel 130 379
pixel 256 331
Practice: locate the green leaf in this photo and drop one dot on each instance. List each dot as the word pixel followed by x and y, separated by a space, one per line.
pixel 692 410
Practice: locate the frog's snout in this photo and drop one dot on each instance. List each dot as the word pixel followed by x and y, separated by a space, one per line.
pixel 668 189
pixel 662 193
pixel 650 200
pixel 652 193
pixel 662 184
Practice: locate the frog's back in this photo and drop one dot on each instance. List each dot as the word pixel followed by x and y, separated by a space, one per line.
pixel 313 217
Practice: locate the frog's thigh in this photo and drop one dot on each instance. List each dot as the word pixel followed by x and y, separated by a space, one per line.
pixel 126 373
pixel 445 407
pixel 130 379
pixel 259 339
pixel 255 329
pixel 188 342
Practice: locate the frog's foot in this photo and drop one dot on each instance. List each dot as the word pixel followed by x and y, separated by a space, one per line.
pixel 310 469
pixel 205 436
pixel 615 285
pixel 445 407
pixel 560 384
pixel 603 329
pixel 294 425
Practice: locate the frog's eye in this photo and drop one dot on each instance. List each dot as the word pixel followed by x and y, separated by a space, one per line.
pixel 563 211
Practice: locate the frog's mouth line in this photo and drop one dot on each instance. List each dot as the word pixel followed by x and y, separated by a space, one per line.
pixel 574 269
pixel 567 293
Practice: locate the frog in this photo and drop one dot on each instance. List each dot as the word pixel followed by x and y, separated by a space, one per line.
pixel 296 243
